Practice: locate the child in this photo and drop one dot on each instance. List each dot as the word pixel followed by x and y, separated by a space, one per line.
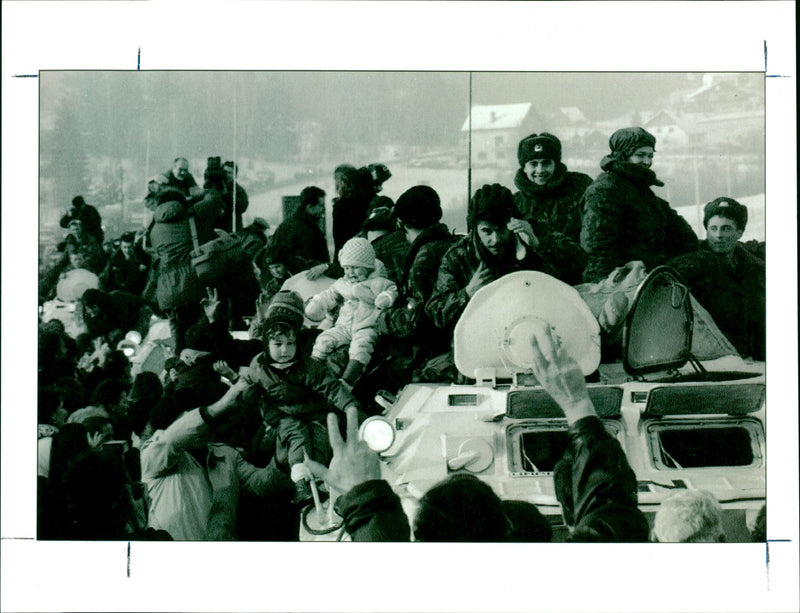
pixel 270 272
pixel 365 291
pixel 298 392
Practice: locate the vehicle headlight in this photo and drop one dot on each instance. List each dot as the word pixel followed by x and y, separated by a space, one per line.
pixel 377 433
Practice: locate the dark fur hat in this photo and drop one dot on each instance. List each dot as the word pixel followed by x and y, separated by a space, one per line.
pixel 419 207
pixel 542 146
pixel 493 204
pixel 726 207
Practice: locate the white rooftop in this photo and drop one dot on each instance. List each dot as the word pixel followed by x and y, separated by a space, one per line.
pixel 497 116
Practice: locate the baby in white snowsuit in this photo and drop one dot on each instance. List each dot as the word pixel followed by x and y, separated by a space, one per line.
pixel 365 291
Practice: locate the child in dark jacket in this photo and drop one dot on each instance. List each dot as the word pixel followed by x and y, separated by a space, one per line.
pixel 298 391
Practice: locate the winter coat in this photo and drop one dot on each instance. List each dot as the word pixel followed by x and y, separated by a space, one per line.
pixel 305 390
pixel 554 212
pixel 96 258
pixel 348 215
pixel 623 221
pixel 734 293
pixel 125 275
pixel 597 488
pixel 408 317
pixel 90 220
pixel 242 202
pixel 182 186
pixel 171 239
pixel 391 249
pixel 198 500
pixel 298 243
pixel 358 310
pixel 459 264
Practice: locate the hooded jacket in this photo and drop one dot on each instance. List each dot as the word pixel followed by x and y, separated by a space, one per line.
pixel 171 239
pixel 358 310
pixel 305 390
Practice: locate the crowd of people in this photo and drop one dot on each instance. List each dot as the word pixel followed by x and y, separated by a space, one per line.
pixel 228 439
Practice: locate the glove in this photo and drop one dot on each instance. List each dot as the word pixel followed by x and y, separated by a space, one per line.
pixel 384 300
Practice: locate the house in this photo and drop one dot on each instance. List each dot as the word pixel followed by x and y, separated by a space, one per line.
pixel 720 93
pixel 671 131
pixel 567 123
pixel 496 130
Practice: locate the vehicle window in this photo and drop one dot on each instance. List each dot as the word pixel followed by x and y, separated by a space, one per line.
pixel 699 446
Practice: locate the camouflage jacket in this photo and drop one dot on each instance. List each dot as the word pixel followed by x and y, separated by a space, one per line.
pixel 554 212
pixel 459 264
pixel 420 270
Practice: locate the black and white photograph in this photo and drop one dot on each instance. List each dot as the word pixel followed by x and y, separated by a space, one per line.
pixel 503 320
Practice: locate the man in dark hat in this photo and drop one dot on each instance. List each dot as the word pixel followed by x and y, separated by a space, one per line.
pixel 549 198
pixel 87 215
pixel 496 245
pixel 728 280
pixel 623 219
pixel 419 215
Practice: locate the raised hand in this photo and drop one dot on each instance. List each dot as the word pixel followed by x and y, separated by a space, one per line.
pixel 559 374
pixel 524 230
pixel 222 368
pixel 211 304
pixel 353 461
pixel 315 272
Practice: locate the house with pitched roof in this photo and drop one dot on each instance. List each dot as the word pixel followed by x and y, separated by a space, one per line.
pixel 672 131
pixel 496 129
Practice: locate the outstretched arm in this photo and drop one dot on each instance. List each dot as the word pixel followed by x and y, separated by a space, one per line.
pixel 594 482
pixel 371 511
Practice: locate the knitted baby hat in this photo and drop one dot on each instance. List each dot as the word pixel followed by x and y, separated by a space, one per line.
pixel 357 252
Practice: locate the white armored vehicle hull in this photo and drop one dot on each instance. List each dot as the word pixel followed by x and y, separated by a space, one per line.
pixel 698 429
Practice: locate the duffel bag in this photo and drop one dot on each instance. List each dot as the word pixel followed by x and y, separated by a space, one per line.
pixel 213 259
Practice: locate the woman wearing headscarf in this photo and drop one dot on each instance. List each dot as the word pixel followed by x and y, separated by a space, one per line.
pixel 549 198
pixel 623 219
